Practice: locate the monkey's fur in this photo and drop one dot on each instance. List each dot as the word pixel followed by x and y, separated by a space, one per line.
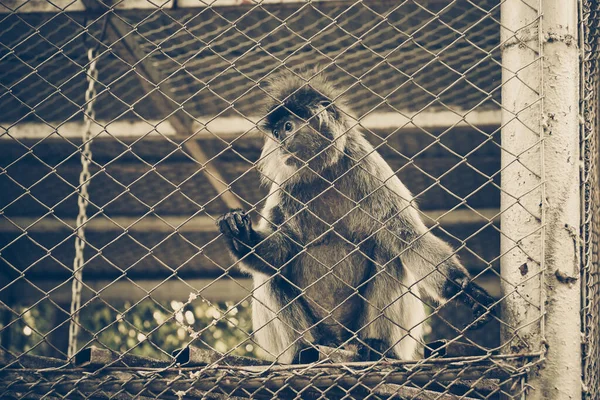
pixel 340 254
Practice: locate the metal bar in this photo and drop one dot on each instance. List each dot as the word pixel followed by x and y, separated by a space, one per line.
pixel 214 290
pixel 28 6
pixel 169 224
pixel 213 175
pixel 230 288
pixel 113 224
pixel 229 128
pixel 100 130
pixel 521 179
pixel 540 191
pixel 232 127
pixel 562 336
pixel 235 383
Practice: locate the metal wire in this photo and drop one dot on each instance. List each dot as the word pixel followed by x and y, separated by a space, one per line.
pixel 170 100
pixel 590 271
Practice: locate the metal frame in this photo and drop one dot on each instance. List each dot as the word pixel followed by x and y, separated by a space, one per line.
pixel 540 215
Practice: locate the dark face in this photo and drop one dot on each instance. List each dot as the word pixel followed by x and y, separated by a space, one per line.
pixel 286 127
pixel 298 136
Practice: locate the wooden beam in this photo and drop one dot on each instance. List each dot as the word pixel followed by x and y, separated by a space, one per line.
pixel 203 224
pixel 40 6
pixel 213 175
pixel 219 290
pixel 431 119
pixel 120 34
pixel 122 39
pixel 461 216
pixel 114 224
pixel 54 6
pixel 230 128
pixel 100 130
pixel 223 289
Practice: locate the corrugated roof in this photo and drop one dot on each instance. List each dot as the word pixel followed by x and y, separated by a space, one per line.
pixel 388 56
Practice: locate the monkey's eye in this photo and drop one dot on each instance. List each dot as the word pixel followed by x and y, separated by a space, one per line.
pixel 276 133
pixel 288 126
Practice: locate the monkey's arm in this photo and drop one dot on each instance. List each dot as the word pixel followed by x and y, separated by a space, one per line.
pixel 263 250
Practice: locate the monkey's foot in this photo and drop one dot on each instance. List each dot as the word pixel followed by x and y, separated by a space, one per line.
pixel 480 301
pixel 371 349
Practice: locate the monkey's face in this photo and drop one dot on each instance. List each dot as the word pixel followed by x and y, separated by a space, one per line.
pixel 301 140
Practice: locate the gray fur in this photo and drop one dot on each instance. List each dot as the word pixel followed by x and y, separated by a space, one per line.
pixel 340 254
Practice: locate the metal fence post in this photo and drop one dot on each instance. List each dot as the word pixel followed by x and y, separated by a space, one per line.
pixel 590 29
pixel 540 200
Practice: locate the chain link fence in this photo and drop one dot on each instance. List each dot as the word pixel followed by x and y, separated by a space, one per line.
pixel 128 129
pixel 590 229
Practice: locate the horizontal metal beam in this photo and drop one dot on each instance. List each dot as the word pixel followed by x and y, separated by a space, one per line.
pixel 232 127
pixel 219 290
pixel 113 224
pixel 54 6
pixel 431 119
pixel 461 216
pixel 72 130
pixel 200 224
pixel 222 289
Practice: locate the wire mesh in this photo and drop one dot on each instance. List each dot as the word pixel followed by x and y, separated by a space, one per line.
pixel 163 310
pixel 590 230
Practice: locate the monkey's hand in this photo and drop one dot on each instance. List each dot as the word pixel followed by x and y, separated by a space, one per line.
pixel 237 227
pixel 478 299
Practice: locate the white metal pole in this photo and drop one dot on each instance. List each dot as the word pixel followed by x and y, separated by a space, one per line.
pixel 540 199
pixel 521 177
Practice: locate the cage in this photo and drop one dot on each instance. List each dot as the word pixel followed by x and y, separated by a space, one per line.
pixel 128 129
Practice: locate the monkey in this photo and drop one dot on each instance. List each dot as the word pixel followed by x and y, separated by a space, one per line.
pixel 340 254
